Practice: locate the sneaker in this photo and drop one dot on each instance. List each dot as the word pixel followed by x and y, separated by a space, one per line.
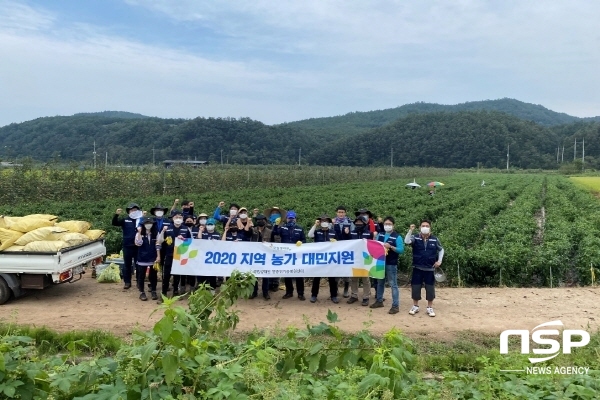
pixel 153 295
pixel 127 286
pixel 352 300
pixel 301 297
pixel 335 300
pixel 287 296
pixel 266 296
pixel 430 312
pixel 143 296
pixel 414 310
pixel 365 302
pixel 394 310
pixel 377 304
pixel 313 299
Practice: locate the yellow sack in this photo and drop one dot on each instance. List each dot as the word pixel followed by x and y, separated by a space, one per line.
pixel 75 226
pixel 74 238
pixel 24 224
pixel 15 248
pixel 46 246
pixel 48 217
pixel 45 233
pixel 8 238
pixel 94 234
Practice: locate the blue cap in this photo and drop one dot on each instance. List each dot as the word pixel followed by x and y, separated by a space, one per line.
pixel 211 221
pixel 291 214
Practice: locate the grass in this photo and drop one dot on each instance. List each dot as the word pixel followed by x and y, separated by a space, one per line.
pixel 588 182
pixel 47 341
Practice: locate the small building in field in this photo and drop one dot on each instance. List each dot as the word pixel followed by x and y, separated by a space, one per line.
pixel 194 164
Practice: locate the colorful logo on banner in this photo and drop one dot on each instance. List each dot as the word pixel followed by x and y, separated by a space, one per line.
pixel 374 260
pixel 182 249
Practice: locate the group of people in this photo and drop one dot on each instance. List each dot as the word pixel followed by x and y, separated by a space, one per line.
pixel 148 241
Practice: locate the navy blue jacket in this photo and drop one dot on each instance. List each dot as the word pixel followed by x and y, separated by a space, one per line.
pixel 324 235
pixel 147 251
pixel 392 257
pixel 340 228
pixel 173 232
pixel 129 227
pixel 239 237
pixel 424 256
pixel 159 223
pixel 210 236
pixel 289 234
pixel 365 234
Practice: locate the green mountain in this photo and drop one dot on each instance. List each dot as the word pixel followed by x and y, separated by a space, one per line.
pixel 357 122
pixel 418 133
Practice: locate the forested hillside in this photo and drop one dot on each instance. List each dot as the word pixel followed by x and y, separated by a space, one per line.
pixel 418 135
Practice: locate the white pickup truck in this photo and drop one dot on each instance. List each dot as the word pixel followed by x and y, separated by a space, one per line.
pixel 20 271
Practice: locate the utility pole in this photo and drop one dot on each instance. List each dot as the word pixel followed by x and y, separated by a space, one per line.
pixel 221 157
pixel 94 154
pixel 106 160
pixel 507 156
pixel 153 159
pixel 575 150
pixel 299 155
pixel 392 159
pixel 582 153
pixel 557 153
pixel 562 157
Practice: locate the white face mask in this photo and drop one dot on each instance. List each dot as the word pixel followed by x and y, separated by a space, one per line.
pixel 425 230
pixel 148 227
pixel 388 228
pixel 203 221
pixel 177 221
pixel 159 214
pixel 135 214
pixel 325 225
pixel 210 228
pixel 243 216
pixel 232 213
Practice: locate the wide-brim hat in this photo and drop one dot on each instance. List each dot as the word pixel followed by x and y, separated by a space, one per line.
pixel 242 208
pixel 361 219
pixel 269 211
pixel 325 217
pixel 132 205
pixel 159 207
pixel 364 211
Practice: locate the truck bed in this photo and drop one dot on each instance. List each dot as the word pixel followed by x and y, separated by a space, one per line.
pixel 51 263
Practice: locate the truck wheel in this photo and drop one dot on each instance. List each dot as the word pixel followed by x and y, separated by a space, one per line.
pixel 5 291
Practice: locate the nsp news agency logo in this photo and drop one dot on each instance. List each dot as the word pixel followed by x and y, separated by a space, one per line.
pixel 540 337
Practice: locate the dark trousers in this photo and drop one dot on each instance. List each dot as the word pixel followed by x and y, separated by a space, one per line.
pixel 265 287
pixel 209 280
pixel 130 261
pixel 188 280
pixel 140 276
pixel 166 275
pixel 289 286
pixel 333 286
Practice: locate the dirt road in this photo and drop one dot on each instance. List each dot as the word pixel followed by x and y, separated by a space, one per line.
pixel 90 305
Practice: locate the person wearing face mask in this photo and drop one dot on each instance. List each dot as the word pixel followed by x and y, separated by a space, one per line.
pixel 363 212
pixel 232 232
pixel 225 219
pixel 149 245
pixel 261 232
pixel 209 233
pixel 360 232
pixel 244 224
pixel 342 226
pixel 394 246
pixel 129 226
pixel 427 256
pixel 273 215
pixel 187 208
pixel 202 218
pixel 321 232
pixel 172 232
pixel 291 233
pixel 188 282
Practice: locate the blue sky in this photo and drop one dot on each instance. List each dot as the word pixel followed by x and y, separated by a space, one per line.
pixel 278 61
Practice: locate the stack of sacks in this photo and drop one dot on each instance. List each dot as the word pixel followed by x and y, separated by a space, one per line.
pixel 41 233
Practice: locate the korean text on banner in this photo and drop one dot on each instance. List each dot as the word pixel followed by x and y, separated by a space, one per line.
pixel 348 258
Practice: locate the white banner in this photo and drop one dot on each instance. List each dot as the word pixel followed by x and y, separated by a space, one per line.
pixel 348 258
